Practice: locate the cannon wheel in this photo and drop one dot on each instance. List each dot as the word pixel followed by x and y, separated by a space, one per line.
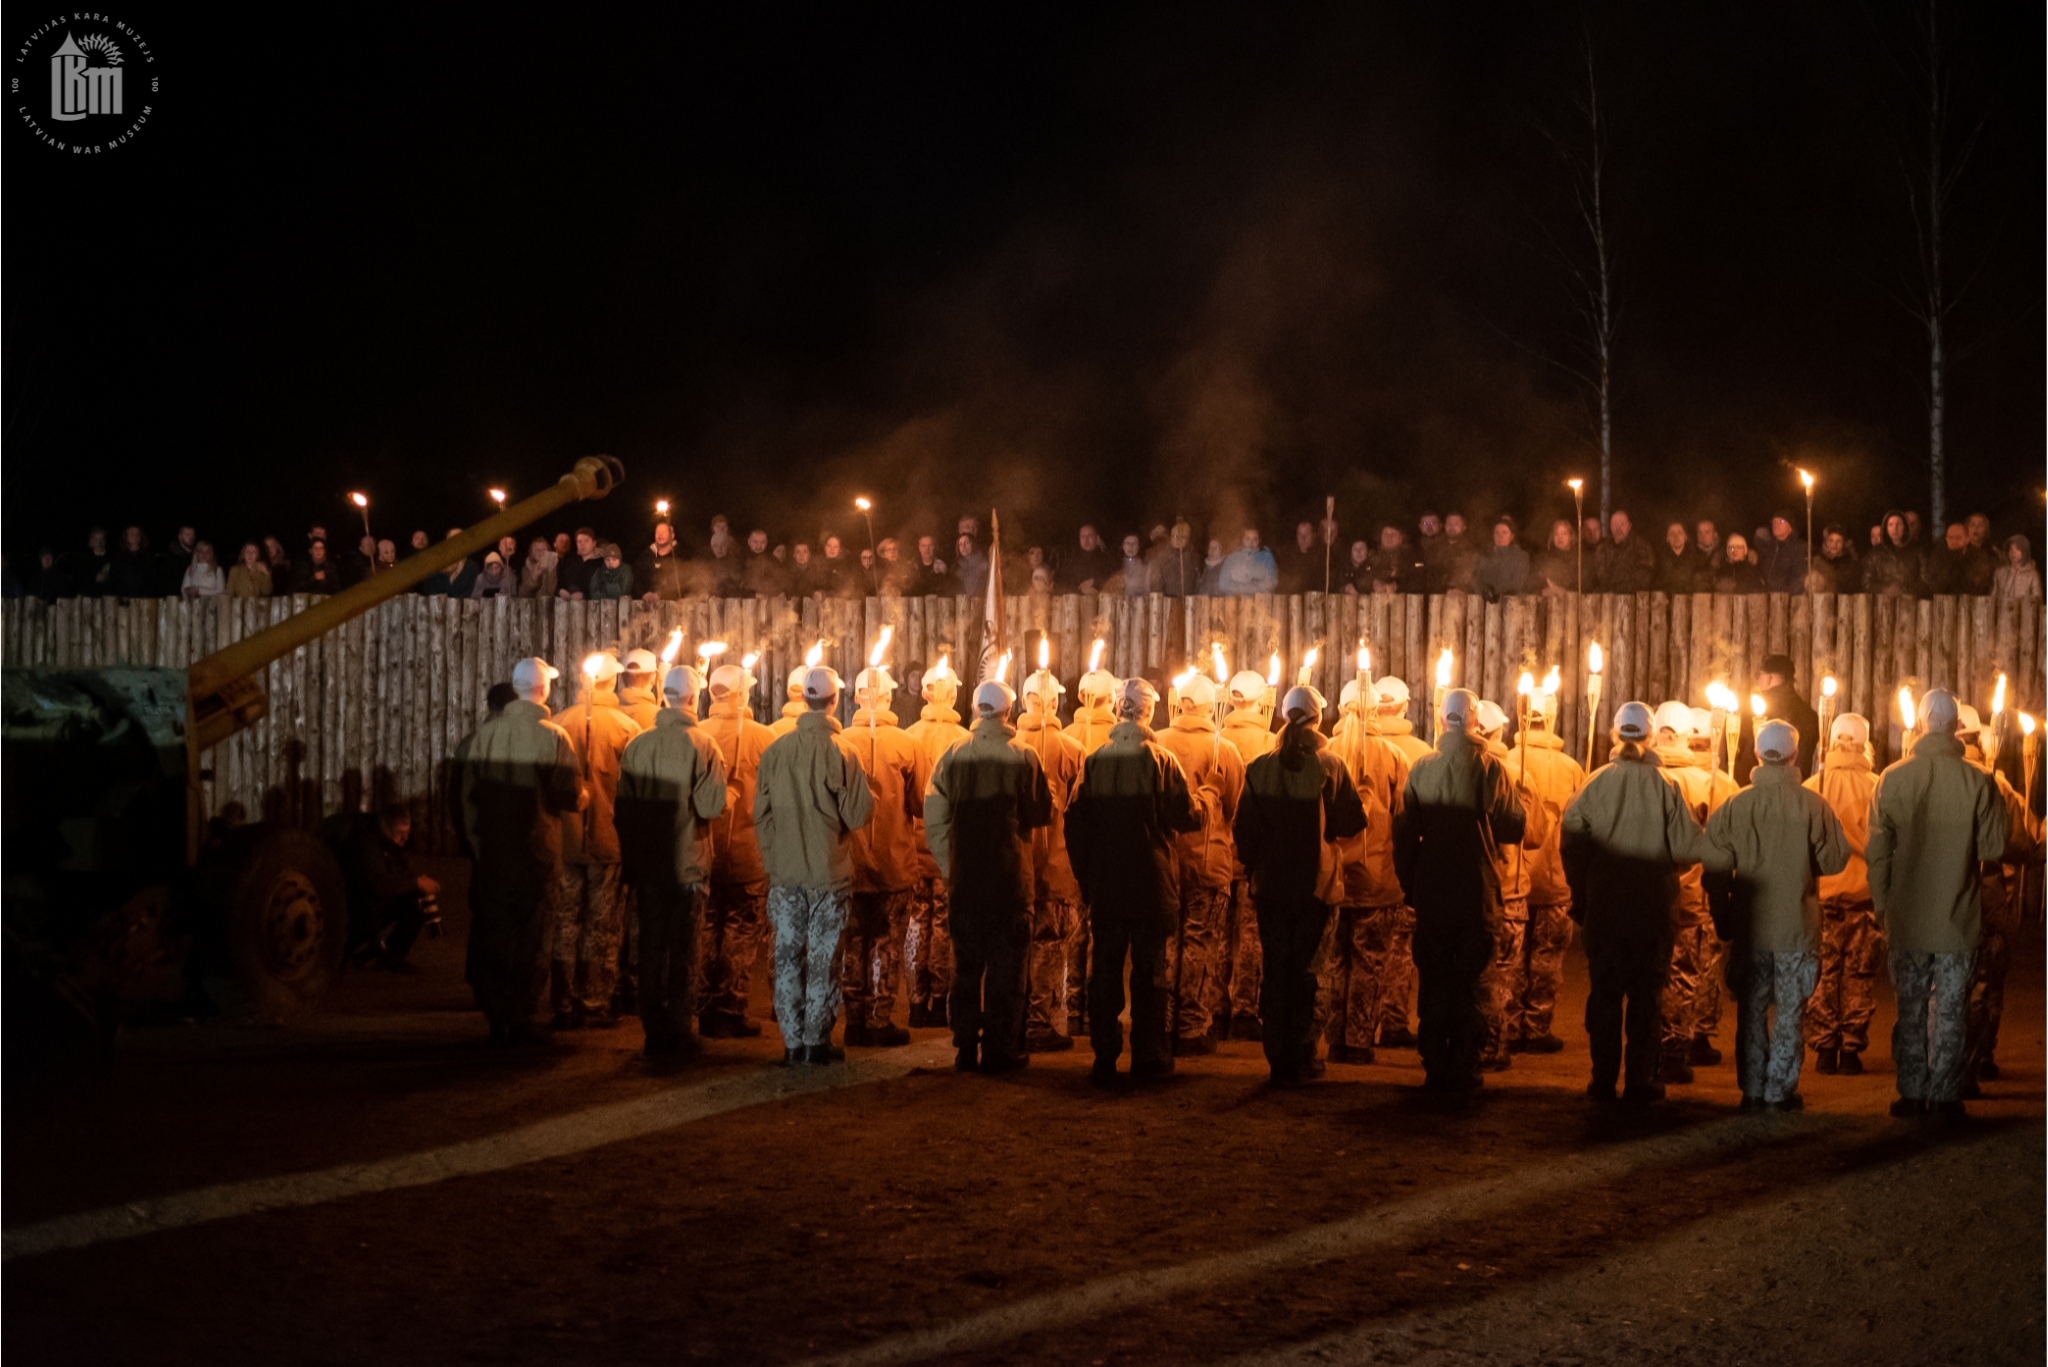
pixel 287 921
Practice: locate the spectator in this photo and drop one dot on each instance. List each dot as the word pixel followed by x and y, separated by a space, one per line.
pixel 1980 533
pixel 1041 579
pixel 48 581
pixel 1835 569
pixel 1134 576
pixel 1093 568
pixel 461 574
pixel 1979 561
pixel 1738 573
pixel 1209 583
pixel 764 575
pixel 1913 531
pixel 250 578
pixel 932 577
pixel 1680 569
pixel 893 574
pixel 1627 564
pixel 537 575
pixel 1784 558
pixel 659 574
pixel 1176 569
pixel 1593 541
pixel 721 573
pixel 1555 568
pixel 1461 559
pixel 135 572
pixel 1707 538
pixel 806 576
pixel 494 580
pixel 318 574
pixel 1432 550
pixel 92 572
pixel 1389 564
pixel 508 551
pixel 1250 568
pixel 361 563
pixel 1357 574
pixel 1505 571
pixel 420 541
pixel 573 572
pixel 278 563
pixel 612 582
pixel 2018 577
pixel 203 577
pixel 387 554
pixel 1302 565
pixel 175 561
pixel 1893 568
pixel 970 566
pixel 565 547
pixel 1942 571
pixel 969 526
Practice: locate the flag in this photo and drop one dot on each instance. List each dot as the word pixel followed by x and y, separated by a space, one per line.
pixel 993 642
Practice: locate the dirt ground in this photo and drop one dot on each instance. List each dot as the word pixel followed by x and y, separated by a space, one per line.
pixel 1025 1219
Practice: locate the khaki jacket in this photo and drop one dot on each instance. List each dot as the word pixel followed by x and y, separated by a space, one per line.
pixel 1846 783
pixel 1379 771
pixel 1625 837
pixel 643 705
pixel 671 782
pixel 1399 732
pixel 936 730
pixel 741 741
pixel 1518 858
pixel 518 777
pixel 810 798
pixel 1206 860
pixel 986 797
pixel 1934 820
pixel 1780 839
pixel 885 852
pixel 1060 756
pixel 786 723
pixel 1132 802
pixel 1705 789
pixel 1554 779
pixel 1458 810
pixel 600 732
pixel 1299 807
pixel 1251 731
pixel 1090 727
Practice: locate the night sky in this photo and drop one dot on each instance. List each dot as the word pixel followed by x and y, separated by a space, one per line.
pixel 1079 263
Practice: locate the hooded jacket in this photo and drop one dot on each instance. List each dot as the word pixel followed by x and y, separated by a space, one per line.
pixel 1399 732
pixel 671 782
pixel 986 797
pixel 519 778
pixel 1060 757
pixel 1776 840
pixel 936 730
pixel 885 851
pixel 1132 802
pixel 1553 779
pixel 1379 772
pixel 2017 581
pixel 1457 811
pixel 600 732
pixel 1091 726
pixel 1299 806
pixel 741 741
pixel 810 798
pixel 1206 860
pixel 1250 730
pixel 1846 783
pixel 537 575
pixel 1934 820
pixel 1625 837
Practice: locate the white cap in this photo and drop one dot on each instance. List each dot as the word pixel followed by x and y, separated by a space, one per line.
pixel 1938 712
pixel 530 677
pixel 936 678
pixel 1393 692
pixel 994 699
pixel 1850 729
pixel 1778 741
pixel 1635 721
pixel 1140 697
pixel 1347 696
pixel 641 662
pixel 1248 687
pixel 1490 717
pixel 875 680
pixel 1302 698
pixel 608 667
pixel 727 680
pixel 1199 691
pixel 1461 708
pixel 1041 682
pixel 1702 721
pixel 1099 683
pixel 1967 718
pixel 820 682
pixel 1676 718
pixel 796 680
pixel 682 684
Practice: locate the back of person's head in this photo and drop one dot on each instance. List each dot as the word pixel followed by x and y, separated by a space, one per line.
pixel 821 688
pixel 500 695
pixel 1138 699
pixel 1939 713
pixel 1461 711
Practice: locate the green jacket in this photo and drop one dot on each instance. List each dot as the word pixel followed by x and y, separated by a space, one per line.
pixel 1459 807
pixel 519 777
pixel 1132 801
pixel 1299 803
pixel 1625 837
pixel 986 797
pixel 608 584
pixel 670 779
pixel 1777 840
pixel 811 795
pixel 1933 820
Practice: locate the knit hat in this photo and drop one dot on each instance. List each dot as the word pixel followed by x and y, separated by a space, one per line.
pixel 1635 721
pixel 1778 741
pixel 994 699
pixel 1301 698
pixel 1676 718
pixel 820 682
pixel 493 558
pixel 682 684
pixel 1248 687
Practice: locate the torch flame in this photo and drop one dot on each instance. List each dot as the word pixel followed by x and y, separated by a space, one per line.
pixel 1906 707
pixel 1827 686
pixel 1552 681
pixel 1222 667
pixel 1273 672
pixel 592 663
pixel 661 506
pixel 1756 706
pixel 1003 666
pixel 1806 478
pixel 710 650
pixel 675 643
pixel 359 500
pixel 1308 661
pixel 498 497
pixel 1998 697
pixel 944 668
pixel 1364 658
pixel 1526 684
pixel 747 660
pixel 1721 696
pixel 2027 723
pixel 814 654
pixel 881 648
pixel 1184 678
pixel 1575 484
pixel 1095 655
pixel 1044 654
pixel 1595 661
pixel 862 504
pixel 1443 669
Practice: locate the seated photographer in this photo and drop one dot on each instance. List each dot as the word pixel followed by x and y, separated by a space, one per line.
pixel 388 904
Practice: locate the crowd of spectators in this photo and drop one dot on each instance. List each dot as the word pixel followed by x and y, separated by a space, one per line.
pixel 1441 554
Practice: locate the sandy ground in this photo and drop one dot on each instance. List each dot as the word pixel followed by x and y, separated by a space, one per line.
pixel 1022 1219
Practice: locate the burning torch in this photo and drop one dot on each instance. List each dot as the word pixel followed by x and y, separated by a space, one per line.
pixel 1594 663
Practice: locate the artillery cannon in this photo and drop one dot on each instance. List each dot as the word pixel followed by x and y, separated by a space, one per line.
pixel 113 893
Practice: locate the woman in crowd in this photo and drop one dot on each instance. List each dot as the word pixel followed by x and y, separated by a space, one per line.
pixel 2019 576
pixel 537 575
pixel 1738 572
pixel 203 578
pixel 250 578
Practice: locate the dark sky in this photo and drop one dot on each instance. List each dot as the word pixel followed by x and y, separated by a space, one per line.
pixel 1081 263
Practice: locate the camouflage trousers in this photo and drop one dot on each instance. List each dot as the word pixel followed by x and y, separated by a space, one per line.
pixel 1053 924
pixel 1770 993
pixel 927 948
pixel 872 961
pixel 1398 991
pixel 1706 1004
pixel 1080 945
pixel 1502 979
pixel 730 936
pixel 1237 988
pixel 1532 1006
pixel 809 924
pixel 1693 954
pixel 1357 970
pixel 1989 967
pixel 1927 1040
pixel 1845 999
pixel 1194 960
pixel 590 921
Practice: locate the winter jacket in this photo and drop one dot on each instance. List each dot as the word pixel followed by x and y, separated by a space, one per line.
pixel 1299 807
pixel 207 579
pixel 786 723
pixel 1132 802
pixel 1625 837
pixel 1781 703
pixel 664 576
pixel 1846 784
pixel 1250 729
pixel 885 852
pixel 599 731
pixel 986 797
pixel 1091 727
pixel 1460 565
pixel 1783 564
pixel 1209 581
pixel 1175 573
pixel 1738 576
pixel 1503 573
pixel 244 582
pixel 741 741
pixel 609 585
pixel 1933 820
pixel 308 577
pixel 671 783
pixel 1378 770
pixel 1626 566
pixel 764 576
pixel 1705 789
pixel 1892 569
pixel 1780 839
pixel 1060 756
pixel 809 799
pixel 2017 581
pixel 493 582
pixel 537 576
pixel 1206 859
pixel 519 777
pixel 1399 732
pixel 1457 811
pixel 1516 860
pixel 642 705
pixel 1553 779
pixel 936 730
pixel 1249 572
pixel 1683 571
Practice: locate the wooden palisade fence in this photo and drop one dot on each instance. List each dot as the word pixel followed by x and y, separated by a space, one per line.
pixel 377 706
